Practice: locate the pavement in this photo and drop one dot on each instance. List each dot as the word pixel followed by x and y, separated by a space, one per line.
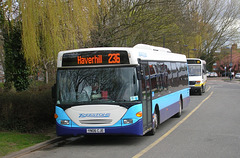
pixel 226 79
pixel 218 78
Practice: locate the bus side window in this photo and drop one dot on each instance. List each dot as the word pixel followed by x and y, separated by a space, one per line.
pixel 174 75
pixel 185 74
pixel 178 65
pixel 153 76
pixel 181 74
pixel 159 76
pixel 204 68
pixel 165 77
pixel 160 68
pixel 169 74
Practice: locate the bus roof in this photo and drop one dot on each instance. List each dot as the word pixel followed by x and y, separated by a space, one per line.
pixel 140 51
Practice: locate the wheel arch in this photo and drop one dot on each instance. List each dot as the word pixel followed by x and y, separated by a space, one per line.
pixel 181 100
pixel 158 112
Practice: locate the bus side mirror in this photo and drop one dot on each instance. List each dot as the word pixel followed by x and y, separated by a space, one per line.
pixel 54 93
pixel 139 73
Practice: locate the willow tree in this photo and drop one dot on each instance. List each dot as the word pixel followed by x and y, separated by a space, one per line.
pixel 51 26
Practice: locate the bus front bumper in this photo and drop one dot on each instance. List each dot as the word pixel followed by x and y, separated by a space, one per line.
pixel 195 88
pixel 134 129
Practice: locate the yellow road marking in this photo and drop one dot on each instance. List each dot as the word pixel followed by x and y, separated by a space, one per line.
pixel 208 88
pixel 171 130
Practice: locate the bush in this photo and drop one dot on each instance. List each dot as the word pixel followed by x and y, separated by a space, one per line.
pixel 1 87
pixel 27 111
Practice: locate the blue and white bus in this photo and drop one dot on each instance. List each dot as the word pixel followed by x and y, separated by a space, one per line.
pixel 117 90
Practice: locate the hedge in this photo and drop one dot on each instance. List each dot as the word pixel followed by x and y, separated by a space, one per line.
pixel 26 111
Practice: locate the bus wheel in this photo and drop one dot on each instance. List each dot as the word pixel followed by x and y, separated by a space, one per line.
pixel 200 91
pixel 155 123
pixel 204 88
pixel 180 109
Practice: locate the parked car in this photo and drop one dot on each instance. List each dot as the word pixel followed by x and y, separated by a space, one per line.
pixel 208 74
pixel 213 74
pixel 237 76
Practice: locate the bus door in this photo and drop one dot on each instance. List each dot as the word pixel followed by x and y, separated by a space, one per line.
pixel 146 98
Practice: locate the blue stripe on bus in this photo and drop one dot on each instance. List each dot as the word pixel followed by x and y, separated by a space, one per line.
pixel 169 104
pixel 170 99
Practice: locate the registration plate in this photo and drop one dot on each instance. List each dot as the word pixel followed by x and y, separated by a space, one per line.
pixel 96 130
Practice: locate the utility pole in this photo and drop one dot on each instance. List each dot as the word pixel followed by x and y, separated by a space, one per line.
pixel 164 40
pixel 231 64
pixel 194 49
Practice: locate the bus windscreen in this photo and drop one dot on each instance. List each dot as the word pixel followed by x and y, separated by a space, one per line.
pixel 194 70
pixel 97 85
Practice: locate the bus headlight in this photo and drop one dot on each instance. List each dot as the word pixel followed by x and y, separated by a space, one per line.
pixel 64 122
pixel 128 121
pixel 198 83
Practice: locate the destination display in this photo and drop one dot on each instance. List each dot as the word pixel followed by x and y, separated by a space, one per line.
pixel 194 61
pixel 95 58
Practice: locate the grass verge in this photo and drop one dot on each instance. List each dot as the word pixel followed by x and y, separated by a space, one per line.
pixel 15 141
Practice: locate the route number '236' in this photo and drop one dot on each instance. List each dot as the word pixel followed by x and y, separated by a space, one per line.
pixel 114 58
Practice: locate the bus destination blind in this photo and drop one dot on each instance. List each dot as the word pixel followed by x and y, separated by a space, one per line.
pixel 193 61
pixel 95 58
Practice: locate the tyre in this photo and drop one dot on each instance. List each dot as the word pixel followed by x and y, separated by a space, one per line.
pixel 204 88
pixel 200 91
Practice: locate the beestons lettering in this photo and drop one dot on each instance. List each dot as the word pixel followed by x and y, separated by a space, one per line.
pixel 83 115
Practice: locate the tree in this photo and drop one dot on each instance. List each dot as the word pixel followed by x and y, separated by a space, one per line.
pixel 126 23
pixel 51 26
pixel 213 23
pixel 1 37
pixel 15 68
